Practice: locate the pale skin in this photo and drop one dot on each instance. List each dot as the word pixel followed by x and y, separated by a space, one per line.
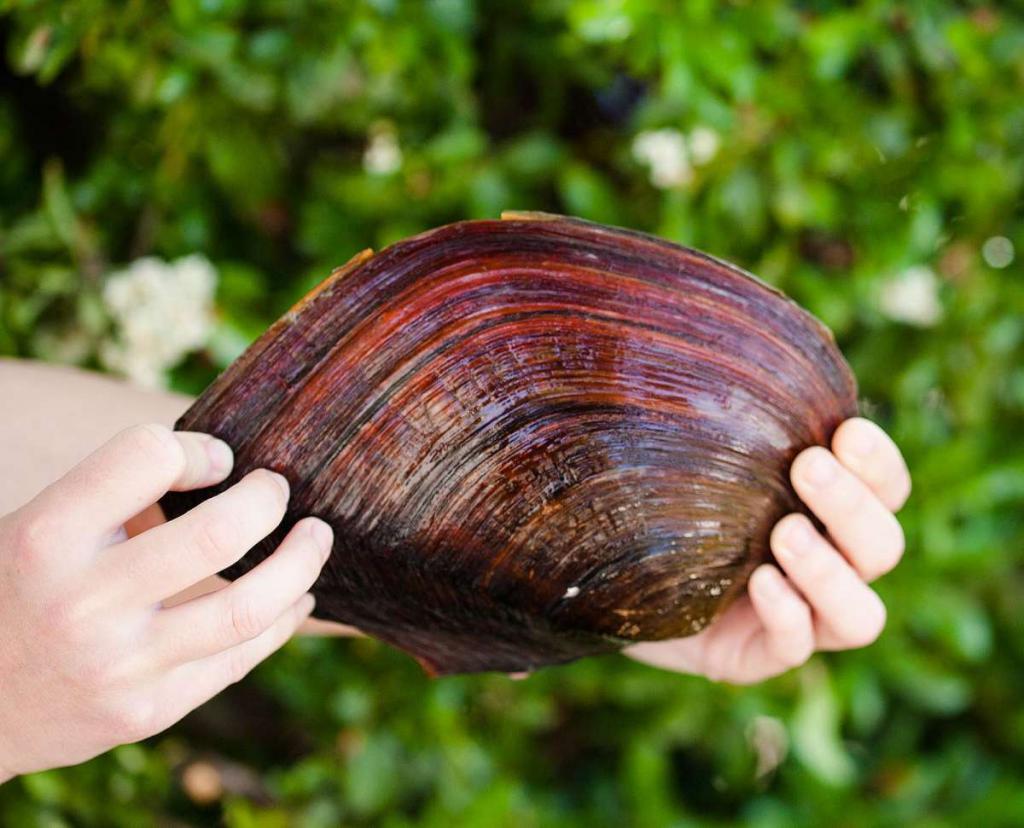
pixel 114 625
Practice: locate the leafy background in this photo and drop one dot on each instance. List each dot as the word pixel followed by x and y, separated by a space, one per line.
pixel 857 143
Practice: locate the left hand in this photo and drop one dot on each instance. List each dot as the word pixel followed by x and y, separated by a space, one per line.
pixel 90 655
pixel 818 597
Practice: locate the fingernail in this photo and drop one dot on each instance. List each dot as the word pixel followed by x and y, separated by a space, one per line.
pixel 323 536
pixel 220 455
pixel 861 442
pixel 796 539
pixel 820 469
pixel 282 481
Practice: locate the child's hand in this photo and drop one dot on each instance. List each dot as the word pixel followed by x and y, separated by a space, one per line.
pixel 89 658
pixel 820 599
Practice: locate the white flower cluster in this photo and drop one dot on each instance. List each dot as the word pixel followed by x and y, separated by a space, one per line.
pixel 671 156
pixel 998 252
pixel 382 155
pixel 161 311
pixel 912 297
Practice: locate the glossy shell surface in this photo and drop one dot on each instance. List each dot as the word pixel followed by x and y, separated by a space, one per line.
pixel 535 438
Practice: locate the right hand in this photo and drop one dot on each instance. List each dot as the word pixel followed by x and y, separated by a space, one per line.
pixel 89 655
pixel 816 594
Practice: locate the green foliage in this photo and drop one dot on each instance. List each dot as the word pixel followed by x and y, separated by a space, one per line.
pixel 856 143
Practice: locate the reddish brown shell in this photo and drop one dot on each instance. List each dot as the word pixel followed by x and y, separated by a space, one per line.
pixel 535 438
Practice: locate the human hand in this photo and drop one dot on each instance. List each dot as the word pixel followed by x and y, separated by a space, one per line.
pixel 89 656
pixel 822 602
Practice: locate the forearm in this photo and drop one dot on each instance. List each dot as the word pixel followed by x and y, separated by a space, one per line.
pixel 51 416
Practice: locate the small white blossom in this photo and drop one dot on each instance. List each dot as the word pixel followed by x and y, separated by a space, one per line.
pixel 912 297
pixel 161 311
pixel 998 252
pixel 768 737
pixel 703 143
pixel 382 155
pixel 663 151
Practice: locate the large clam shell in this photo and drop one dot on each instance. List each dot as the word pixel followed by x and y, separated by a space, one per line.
pixel 535 438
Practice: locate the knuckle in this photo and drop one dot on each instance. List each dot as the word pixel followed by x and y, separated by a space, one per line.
pixel 246 620
pixel 215 540
pixel 32 535
pixel 101 665
pixel 158 444
pixel 28 550
pixel 238 666
pixel 96 676
pixel 33 531
pixel 131 719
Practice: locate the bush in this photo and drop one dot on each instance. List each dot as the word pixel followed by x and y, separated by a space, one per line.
pixel 867 158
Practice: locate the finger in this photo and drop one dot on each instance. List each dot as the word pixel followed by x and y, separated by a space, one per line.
pixel 212 536
pixel 870 453
pixel 848 612
pixel 131 472
pixel 862 528
pixel 787 638
pixel 196 682
pixel 246 608
pixel 680 655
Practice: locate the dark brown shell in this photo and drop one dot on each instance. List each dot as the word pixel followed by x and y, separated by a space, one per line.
pixel 536 438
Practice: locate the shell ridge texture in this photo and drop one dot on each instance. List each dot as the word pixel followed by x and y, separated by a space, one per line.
pixel 536 439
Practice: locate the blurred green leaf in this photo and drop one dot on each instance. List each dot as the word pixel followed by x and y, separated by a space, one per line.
pixel 852 143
